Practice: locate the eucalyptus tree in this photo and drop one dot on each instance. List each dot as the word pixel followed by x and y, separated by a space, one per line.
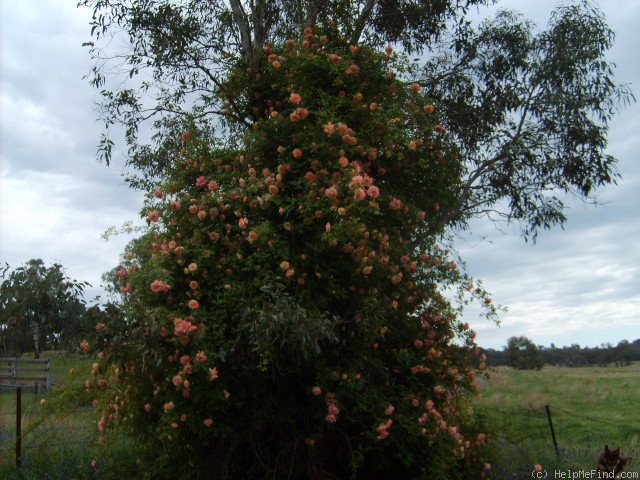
pixel 530 108
pixel 522 354
pixel 39 302
pixel 285 315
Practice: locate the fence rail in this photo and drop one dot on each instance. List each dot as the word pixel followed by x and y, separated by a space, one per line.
pixel 19 372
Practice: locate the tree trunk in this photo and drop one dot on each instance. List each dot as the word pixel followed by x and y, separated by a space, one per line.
pixel 36 341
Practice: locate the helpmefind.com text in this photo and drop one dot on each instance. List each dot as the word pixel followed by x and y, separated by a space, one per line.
pixel 580 474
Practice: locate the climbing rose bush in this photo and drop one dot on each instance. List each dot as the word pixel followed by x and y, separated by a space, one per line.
pixel 284 315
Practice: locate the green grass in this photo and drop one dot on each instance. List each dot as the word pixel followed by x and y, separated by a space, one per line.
pixel 589 406
pixel 60 436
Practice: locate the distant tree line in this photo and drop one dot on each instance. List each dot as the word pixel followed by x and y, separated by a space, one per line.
pixel 521 353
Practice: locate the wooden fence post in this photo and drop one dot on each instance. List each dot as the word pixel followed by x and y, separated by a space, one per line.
pixel 19 428
pixel 553 433
pixel 48 375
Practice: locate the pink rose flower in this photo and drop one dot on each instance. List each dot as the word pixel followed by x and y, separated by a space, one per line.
pixel 359 194
pixel 395 204
pixel 182 327
pixel 331 192
pixel 159 286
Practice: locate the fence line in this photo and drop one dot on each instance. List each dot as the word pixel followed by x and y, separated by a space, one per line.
pixel 523 436
pixel 36 438
pixel 12 375
pixel 595 420
pixel 555 409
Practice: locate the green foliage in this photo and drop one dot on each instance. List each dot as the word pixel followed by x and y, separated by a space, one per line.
pixel 58 431
pixel 522 354
pixel 283 315
pixel 528 108
pixel 530 111
pixel 40 307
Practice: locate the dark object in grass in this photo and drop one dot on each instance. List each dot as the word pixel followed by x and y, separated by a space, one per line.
pixel 611 463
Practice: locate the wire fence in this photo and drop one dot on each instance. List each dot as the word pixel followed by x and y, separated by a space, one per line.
pixel 563 440
pixel 29 430
pixel 536 418
pixel 524 435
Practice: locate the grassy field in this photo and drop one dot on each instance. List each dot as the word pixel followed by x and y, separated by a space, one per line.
pixel 589 407
pixel 59 439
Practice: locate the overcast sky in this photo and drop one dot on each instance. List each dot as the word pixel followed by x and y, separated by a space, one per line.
pixel 578 285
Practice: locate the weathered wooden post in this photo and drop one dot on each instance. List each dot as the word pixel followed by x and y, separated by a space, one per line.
pixel 19 428
pixel 553 433
pixel 48 375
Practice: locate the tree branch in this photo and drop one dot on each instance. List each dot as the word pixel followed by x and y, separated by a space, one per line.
pixel 463 62
pixel 209 74
pixel 361 21
pixel 241 20
pixel 313 8
pixel 238 116
pixel 259 26
pixel 459 208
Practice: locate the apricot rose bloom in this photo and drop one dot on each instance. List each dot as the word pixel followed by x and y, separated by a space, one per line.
pixel 159 286
pixel 182 327
pixel 331 192
pixel 295 98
